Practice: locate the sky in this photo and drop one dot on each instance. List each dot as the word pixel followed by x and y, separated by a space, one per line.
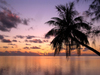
pixel 29 17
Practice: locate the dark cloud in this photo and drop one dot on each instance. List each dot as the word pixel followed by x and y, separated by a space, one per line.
pixel 85 49
pixel 5 46
pixel 34 47
pixel 31 28
pixel 35 41
pixel 9 20
pixel 30 37
pixel 14 40
pixel 11 44
pixel 73 48
pixel 19 36
pixel 25 21
pixel 19 41
pixel 26 48
pixel 6 36
pixel 3 2
pixel 28 44
pixel 22 37
pixel 1 37
pixel 26 40
pixel 81 48
pixel 6 41
pixel 45 40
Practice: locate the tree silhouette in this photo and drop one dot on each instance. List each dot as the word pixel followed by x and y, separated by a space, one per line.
pixel 94 9
pixel 69 31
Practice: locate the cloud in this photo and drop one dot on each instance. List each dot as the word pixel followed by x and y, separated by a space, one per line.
pixel 22 37
pixel 5 35
pixel 25 21
pixel 30 37
pixel 36 41
pixel 14 40
pixel 73 48
pixel 1 37
pixel 12 47
pixel 85 49
pixel 45 40
pixel 19 36
pixel 28 44
pixel 34 47
pixel 19 41
pixel 3 2
pixel 9 20
pixel 6 41
pixel 5 46
pixel 26 40
pixel 11 44
pixel 31 28
pixel 26 48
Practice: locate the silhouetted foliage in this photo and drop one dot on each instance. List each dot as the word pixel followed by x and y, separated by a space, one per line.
pixel 94 13
pixel 69 31
pixel 94 9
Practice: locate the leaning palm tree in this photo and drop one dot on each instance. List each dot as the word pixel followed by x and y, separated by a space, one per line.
pixel 68 30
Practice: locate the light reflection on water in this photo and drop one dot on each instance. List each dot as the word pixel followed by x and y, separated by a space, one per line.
pixel 49 65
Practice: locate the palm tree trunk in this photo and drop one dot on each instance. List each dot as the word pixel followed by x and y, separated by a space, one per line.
pixel 69 50
pixel 95 51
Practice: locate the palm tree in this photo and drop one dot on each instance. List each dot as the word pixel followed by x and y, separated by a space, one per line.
pixel 68 30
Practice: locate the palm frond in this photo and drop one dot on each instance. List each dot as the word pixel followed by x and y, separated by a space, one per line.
pixel 57 44
pixel 82 25
pixel 79 19
pixel 52 32
pixel 71 6
pixel 51 22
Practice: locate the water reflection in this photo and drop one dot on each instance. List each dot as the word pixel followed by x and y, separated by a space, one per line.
pixel 31 65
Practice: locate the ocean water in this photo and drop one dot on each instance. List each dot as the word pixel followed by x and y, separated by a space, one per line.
pixel 49 65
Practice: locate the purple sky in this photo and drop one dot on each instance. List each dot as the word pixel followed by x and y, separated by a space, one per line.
pixel 39 12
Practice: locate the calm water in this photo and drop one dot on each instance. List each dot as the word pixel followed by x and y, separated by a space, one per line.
pixel 49 65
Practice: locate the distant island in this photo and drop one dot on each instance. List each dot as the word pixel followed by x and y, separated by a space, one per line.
pixel 19 53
